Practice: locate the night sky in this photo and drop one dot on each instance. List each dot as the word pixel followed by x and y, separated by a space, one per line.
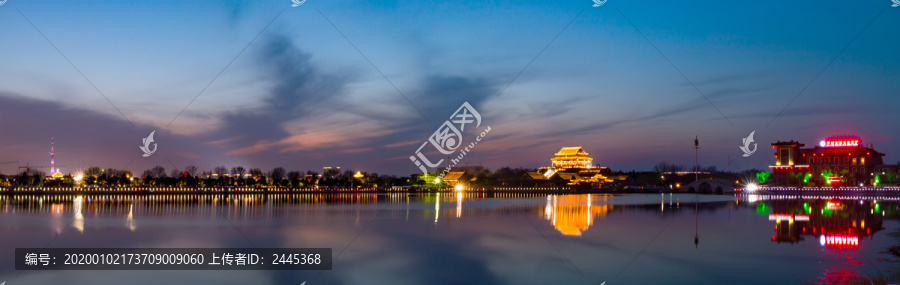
pixel 633 82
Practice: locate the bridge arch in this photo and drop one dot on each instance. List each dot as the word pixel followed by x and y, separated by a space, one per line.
pixel 710 186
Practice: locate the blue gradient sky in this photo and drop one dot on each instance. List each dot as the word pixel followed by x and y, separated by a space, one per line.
pixel 300 96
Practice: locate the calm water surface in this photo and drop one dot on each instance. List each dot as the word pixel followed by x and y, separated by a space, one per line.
pixel 473 238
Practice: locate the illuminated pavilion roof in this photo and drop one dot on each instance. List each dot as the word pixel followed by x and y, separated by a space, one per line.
pixel 571 157
pixel 575 150
pixel 453 176
pixel 536 175
pixel 569 176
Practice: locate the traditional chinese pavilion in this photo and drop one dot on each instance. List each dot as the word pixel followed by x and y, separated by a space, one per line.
pixel 575 166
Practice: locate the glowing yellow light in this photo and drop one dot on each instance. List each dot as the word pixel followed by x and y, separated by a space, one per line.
pixel 459 187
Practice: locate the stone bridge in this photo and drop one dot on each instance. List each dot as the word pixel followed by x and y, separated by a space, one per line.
pixel 710 186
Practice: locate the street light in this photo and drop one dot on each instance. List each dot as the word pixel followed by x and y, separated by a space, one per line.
pixel 752 187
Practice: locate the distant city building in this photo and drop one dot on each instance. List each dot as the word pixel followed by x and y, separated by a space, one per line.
pixel 835 161
pixel 574 166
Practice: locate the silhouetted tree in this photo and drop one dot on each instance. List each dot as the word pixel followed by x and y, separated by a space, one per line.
pixel 294 178
pixel 665 166
pixel 191 170
pixel 257 175
pixel 238 173
pixel 158 171
pixel 238 170
pixel 277 175
pixel 93 171
pixel 220 171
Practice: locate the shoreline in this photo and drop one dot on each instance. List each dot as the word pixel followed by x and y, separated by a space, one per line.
pixel 7 191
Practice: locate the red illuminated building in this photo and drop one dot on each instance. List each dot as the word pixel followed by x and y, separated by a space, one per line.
pixel 835 162
pixel 839 224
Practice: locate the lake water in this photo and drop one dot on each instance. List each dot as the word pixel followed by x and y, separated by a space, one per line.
pixel 470 238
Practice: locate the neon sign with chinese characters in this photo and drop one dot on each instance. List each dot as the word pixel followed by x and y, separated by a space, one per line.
pixel 834 179
pixel 839 143
pixel 840 241
pixel 788 217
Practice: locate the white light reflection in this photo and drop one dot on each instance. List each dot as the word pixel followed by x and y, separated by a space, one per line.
pixel 548 209
pixel 459 198
pixel 129 220
pixel 752 198
pixel 437 208
pixel 78 223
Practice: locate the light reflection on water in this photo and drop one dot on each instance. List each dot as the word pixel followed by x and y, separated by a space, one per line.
pixel 462 237
pixel 573 214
